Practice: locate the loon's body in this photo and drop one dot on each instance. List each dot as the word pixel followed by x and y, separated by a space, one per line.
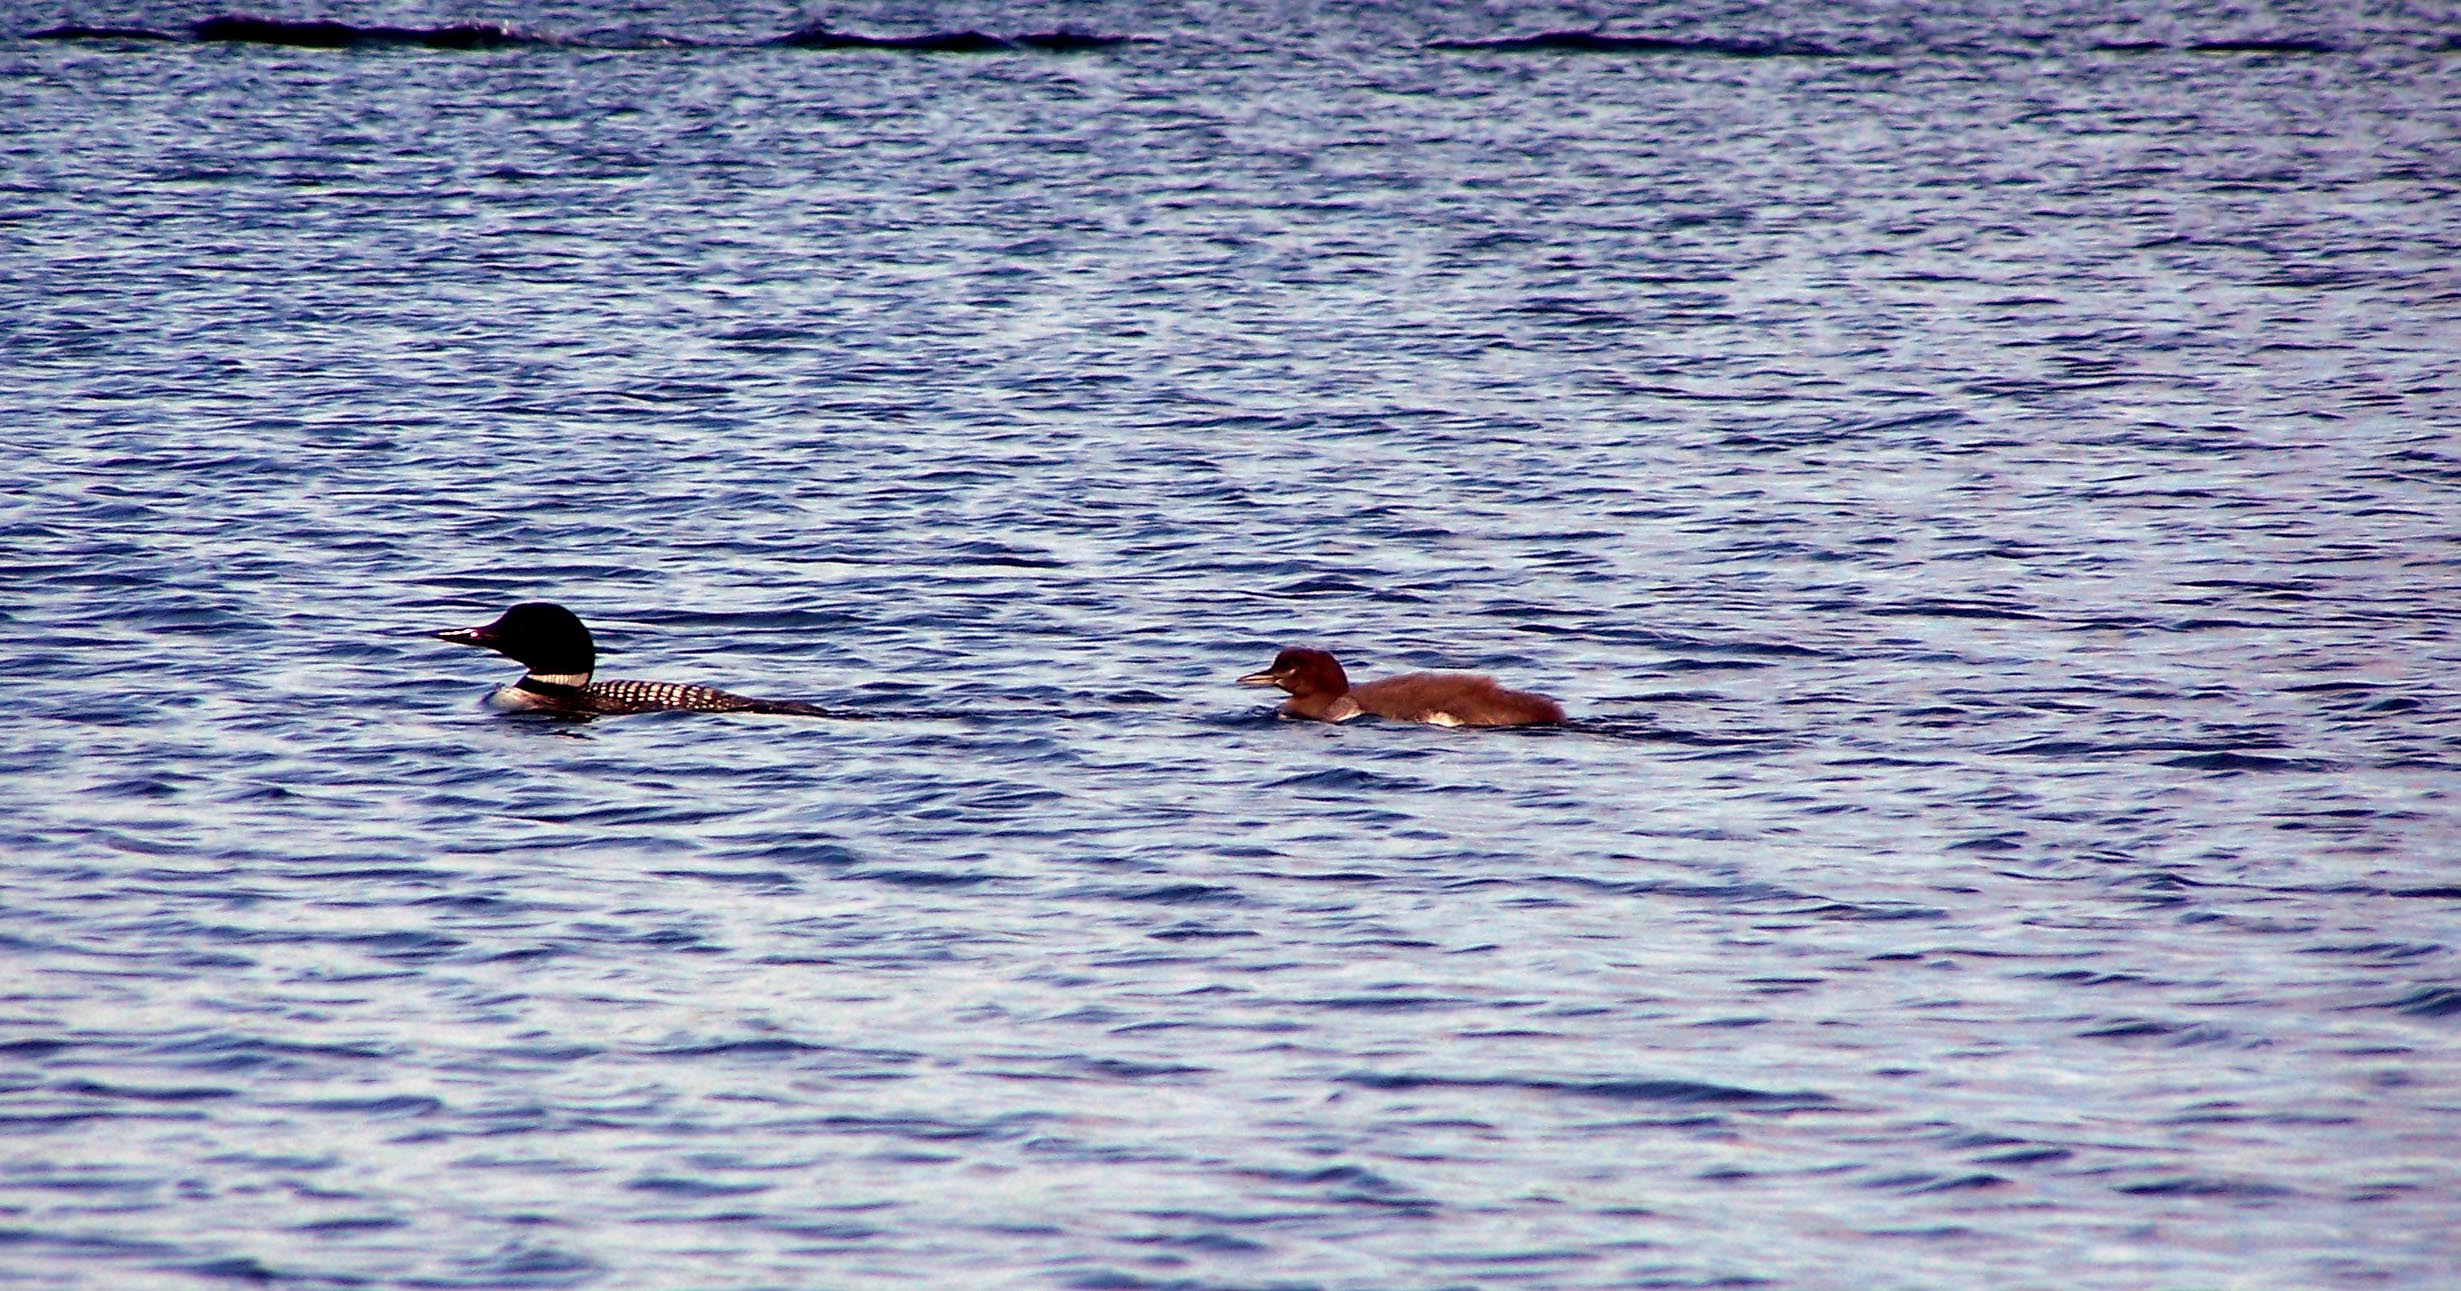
pixel 554 645
pixel 1320 691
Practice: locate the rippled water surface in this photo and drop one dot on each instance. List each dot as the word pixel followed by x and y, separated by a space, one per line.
pixel 1984 482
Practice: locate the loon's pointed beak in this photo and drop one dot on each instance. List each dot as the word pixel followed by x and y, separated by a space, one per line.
pixel 478 636
pixel 1266 678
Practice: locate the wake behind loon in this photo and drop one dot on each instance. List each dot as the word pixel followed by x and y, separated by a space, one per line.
pixel 553 644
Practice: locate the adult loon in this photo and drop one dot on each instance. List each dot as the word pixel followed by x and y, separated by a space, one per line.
pixel 1321 691
pixel 552 643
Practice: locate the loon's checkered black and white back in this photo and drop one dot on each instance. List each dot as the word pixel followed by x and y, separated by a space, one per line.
pixel 680 697
pixel 555 646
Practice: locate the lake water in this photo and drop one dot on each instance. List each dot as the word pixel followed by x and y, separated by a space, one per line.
pixel 1985 481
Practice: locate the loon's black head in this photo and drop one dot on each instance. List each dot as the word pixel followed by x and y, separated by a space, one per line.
pixel 542 636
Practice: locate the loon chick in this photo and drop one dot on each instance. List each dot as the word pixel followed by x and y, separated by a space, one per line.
pixel 553 644
pixel 1321 691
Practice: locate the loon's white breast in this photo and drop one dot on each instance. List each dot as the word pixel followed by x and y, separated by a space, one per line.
pixel 513 699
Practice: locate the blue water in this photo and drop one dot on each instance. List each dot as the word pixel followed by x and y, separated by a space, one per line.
pixel 1990 498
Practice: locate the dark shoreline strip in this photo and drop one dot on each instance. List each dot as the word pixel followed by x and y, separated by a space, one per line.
pixel 2263 47
pixel 341 35
pixel 326 34
pixel 329 34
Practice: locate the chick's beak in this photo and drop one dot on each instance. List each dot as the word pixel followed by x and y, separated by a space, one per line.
pixel 1266 678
